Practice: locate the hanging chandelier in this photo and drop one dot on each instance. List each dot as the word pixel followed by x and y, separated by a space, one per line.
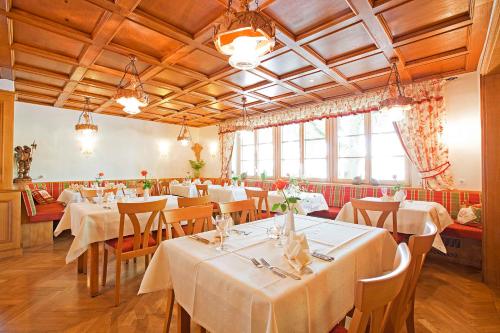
pixel 86 129
pixel 245 35
pixel 133 97
pixel 184 136
pixel 396 105
pixel 245 124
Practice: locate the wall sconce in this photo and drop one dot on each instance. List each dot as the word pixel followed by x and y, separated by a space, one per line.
pixel 213 148
pixel 163 148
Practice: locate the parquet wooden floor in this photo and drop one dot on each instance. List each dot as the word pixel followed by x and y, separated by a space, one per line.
pixel 40 293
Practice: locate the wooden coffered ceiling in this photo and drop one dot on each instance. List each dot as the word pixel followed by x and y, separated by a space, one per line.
pixel 61 51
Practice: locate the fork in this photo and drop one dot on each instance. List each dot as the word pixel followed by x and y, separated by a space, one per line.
pixel 256 263
pixel 275 269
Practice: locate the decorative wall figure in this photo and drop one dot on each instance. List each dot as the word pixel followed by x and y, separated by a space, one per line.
pixel 24 156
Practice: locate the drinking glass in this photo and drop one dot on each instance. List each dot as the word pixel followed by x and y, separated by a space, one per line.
pixel 99 193
pixel 221 225
pixel 279 226
pixel 384 191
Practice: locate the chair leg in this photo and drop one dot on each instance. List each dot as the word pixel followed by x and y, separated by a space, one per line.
pixel 170 308
pixel 410 320
pixel 104 267
pixel 117 280
pixel 146 259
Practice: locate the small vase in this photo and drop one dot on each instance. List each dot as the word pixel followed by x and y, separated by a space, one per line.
pixel 289 223
pixel 146 194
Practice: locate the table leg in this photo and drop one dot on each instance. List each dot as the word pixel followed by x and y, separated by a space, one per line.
pixel 93 276
pixel 82 263
pixel 183 320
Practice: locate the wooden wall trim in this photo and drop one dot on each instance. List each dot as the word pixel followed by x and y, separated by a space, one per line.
pixel 490 122
pixel 6 139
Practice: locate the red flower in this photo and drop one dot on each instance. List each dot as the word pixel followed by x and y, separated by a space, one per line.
pixel 101 174
pixel 280 184
pixel 144 173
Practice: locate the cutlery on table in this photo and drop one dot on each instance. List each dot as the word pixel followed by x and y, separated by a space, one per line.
pixel 277 270
pixel 322 256
pixel 199 239
pixel 256 263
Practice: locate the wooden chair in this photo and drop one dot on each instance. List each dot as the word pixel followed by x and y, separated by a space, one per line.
pixel 198 218
pixel 165 187
pixel 244 210
pixel 137 245
pixel 88 194
pixel 110 190
pixel 202 190
pixel 139 190
pixel 385 208
pixel 262 196
pixel 189 202
pixel 373 298
pixel 403 305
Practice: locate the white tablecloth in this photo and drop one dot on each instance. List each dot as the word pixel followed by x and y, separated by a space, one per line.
pixel 222 194
pixel 224 292
pixel 412 216
pixel 91 223
pixel 187 191
pixel 69 196
pixel 308 203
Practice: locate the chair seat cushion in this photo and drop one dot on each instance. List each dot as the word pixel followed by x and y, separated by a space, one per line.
pixel 330 213
pixel 339 329
pixel 48 212
pixel 128 243
pixel 458 230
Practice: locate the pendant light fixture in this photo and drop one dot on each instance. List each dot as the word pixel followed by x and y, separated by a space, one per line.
pixel 130 93
pixel 396 105
pixel 184 136
pixel 245 124
pixel 245 35
pixel 86 130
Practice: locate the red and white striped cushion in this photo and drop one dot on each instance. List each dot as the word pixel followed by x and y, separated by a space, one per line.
pixel 42 197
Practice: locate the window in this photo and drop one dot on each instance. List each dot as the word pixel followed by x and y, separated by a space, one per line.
pixel 387 155
pixel 351 147
pixel 247 153
pixel 265 151
pixel 290 150
pixel 315 150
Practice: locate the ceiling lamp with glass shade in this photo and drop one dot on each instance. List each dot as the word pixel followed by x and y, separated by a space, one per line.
pixel 244 35
pixel 184 136
pixel 86 130
pixel 397 105
pixel 130 93
pixel 244 126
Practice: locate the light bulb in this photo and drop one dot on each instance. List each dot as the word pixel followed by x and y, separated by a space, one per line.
pixel 130 104
pixel 184 142
pixel 246 55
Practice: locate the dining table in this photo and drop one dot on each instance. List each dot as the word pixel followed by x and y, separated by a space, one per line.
pixel 309 202
pixel 187 190
pixel 91 224
pixel 412 217
pixel 224 291
pixel 69 195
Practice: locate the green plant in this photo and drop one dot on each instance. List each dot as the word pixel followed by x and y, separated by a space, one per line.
pixel 197 166
pixel 289 201
pixel 263 175
pixel 243 176
pixel 146 184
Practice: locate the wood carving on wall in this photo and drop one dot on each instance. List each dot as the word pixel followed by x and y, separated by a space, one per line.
pixel 197 148
pixel 24 156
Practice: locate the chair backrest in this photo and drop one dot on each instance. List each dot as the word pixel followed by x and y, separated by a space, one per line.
pixel 198 219
pixel 141 237
pixel 189 202
pixel 139 190
pixel 419 246
pixel 374 296
pixel 244 209
pixel 202 190
pixel 164 187
pixel 88 193
pixel 385 208
pixel 262 197
pixel 111 190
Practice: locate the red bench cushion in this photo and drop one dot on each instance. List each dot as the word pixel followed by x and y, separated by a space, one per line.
pixel 330 213
pixel 458 230
pixel 48 212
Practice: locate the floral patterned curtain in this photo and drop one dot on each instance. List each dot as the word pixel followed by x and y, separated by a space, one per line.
pixel 421 134
pixel 227 145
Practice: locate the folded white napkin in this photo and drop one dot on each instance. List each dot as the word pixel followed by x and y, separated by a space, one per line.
pixel 297 251
pixel 400 196
pixel 197 181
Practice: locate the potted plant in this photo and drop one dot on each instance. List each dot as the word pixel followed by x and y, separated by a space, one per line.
pixel 197 166
pixel 287 205
pixel 243 176
pixel 146 184
pixel 234 180
pixel 98 178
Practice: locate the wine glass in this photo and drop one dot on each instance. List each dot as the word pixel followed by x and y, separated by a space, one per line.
pixel 221 226
pixel 279 226
pixel 384 191
pixel 99 193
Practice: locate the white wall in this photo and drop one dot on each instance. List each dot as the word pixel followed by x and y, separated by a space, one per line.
pixel 209 139
pixel 124 146
pixel 462 131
